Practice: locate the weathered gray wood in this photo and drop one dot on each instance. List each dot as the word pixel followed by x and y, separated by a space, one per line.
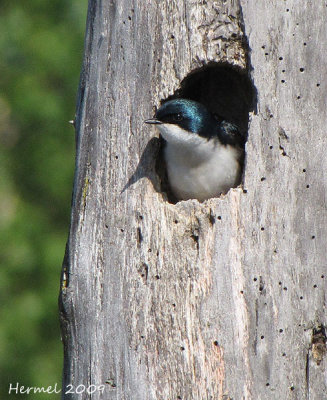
pixel 220 300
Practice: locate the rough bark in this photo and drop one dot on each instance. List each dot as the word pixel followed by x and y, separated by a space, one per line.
pixel 219 300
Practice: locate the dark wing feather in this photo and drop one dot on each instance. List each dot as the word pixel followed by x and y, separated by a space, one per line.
pixel 230 134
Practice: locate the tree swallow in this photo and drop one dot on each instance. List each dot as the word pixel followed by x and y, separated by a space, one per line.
pixel 203 153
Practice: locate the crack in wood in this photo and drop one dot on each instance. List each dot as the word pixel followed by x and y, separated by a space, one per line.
pixel 307 375
pixel 255 342
pixel 139 237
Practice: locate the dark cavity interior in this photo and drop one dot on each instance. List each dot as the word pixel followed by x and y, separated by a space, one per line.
pixel 225 90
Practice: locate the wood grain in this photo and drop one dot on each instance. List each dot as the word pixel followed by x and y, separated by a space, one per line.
pixel 219 300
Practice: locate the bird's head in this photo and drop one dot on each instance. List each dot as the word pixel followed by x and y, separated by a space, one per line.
pixel 184 121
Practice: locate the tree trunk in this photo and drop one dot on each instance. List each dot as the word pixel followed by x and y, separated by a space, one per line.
pixel 217 300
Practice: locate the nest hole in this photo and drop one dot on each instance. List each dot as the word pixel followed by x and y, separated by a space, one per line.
pixel 226 91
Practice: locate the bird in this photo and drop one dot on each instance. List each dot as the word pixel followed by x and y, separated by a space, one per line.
pixel 203 152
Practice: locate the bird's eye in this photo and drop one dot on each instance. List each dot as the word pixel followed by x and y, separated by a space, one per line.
pixel 178 117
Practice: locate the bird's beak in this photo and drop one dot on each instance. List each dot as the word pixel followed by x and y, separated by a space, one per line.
pixel 153 121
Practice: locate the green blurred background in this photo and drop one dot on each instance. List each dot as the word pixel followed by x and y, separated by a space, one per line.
pixel 41 48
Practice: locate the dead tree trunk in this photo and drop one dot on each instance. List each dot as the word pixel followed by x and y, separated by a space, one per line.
pixel 217 300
